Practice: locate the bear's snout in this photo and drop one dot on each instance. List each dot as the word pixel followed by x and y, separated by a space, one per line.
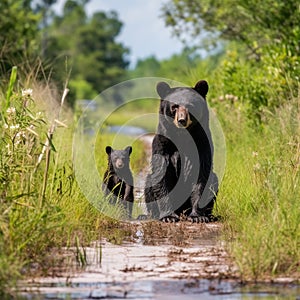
pixel 119 163
pixel 182 117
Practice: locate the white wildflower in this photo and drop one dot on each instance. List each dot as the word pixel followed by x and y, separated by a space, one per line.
pixel 254 153
pixel 11 111
pixel 5 126
pixel 20 137
pixel 27 93
pixel 13 127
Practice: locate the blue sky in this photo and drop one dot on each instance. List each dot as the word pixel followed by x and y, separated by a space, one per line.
pixel 143 30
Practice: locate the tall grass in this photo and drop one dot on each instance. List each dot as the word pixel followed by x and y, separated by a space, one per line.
pixel 259 196
pixel 42 207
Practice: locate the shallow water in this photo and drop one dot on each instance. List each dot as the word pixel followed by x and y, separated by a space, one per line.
pixel 158 269
pixel 163 289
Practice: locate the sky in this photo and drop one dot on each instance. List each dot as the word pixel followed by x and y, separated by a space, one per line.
pixel 143 31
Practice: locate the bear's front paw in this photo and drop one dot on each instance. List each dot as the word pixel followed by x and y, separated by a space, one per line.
pixel 143 217
pixel 170 218
pixel 198 219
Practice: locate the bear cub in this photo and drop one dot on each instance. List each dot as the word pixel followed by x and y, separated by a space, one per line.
pixel 118 180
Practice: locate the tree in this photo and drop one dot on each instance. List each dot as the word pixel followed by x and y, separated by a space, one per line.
pixel 18 31
pixel 87 47
pixel 254 23
pixel 149 66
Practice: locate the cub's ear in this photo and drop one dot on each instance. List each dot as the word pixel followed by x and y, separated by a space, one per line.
pixel 202 88
pixel 108 149
pixel 163 89
pixel 128 149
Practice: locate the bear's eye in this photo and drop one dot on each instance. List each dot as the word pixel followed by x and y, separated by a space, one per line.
pixel 173 107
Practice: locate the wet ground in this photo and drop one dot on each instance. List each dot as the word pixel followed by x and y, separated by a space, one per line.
pixel 190 265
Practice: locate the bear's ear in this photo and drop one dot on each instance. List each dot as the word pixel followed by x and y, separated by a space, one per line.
pixel 108 149
pixel 163 89
pixel 128 149
pixel 202 88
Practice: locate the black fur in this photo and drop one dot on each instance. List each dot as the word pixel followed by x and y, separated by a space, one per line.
pixel 118 180
pixel 182 182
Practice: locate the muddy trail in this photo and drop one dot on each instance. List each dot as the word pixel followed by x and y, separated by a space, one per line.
pixel 156 261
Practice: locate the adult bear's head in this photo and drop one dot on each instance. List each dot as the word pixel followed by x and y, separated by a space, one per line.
pixel 183 106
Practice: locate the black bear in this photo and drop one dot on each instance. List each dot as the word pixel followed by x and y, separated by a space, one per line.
pixel 182 181
pixel 118 181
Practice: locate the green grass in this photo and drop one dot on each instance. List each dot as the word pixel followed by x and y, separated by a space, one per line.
pixel 259 196
pixel 141 113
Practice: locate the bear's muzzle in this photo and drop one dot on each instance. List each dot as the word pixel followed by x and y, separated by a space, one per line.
pixel 182 117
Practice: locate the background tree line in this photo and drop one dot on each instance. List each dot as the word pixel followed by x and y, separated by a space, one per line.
pixel 252 47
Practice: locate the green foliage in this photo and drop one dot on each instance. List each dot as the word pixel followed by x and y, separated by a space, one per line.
pixel 87 47
pixel 73 46
pixel 253 23
pixel 25 225
pixel 42 207
pixel 13 77
pixel 176 67
pixel 18 31
pixel 262 64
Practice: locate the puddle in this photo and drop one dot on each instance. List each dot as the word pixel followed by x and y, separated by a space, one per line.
pixel 127 130
pixel 200 269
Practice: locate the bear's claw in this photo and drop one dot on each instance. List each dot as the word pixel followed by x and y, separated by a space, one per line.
pixel 170 219
pixel 198 219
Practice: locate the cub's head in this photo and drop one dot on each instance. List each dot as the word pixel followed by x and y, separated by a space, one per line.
pixel 118 159
pixel 183 105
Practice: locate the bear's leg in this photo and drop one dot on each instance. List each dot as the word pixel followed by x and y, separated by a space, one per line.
pixel 157 200
pixel 203 199
pixel 128 200
pixel 196 216
pixel 151 204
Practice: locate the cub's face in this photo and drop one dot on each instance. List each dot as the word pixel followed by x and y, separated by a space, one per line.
pixel 119 158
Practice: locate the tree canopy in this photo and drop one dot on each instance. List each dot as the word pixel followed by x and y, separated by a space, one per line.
pixel 72 45
pixel 18 31
pixel 255 23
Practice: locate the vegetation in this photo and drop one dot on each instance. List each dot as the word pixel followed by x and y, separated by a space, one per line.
pixel 258 197
pixel 42 206
pixel 253 75
pixel 73 45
